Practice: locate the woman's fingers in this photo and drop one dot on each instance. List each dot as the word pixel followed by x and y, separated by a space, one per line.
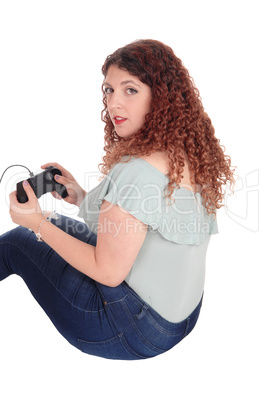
pixel 56 195
pixel 64 172
pixel 55 164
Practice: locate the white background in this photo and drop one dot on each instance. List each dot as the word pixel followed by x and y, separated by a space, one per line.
pixel 51 53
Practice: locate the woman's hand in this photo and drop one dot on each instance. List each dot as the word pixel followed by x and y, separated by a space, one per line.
pixel 75 192
pixel 28 214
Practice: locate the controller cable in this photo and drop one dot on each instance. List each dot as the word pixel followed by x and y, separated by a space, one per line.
pixel 30 173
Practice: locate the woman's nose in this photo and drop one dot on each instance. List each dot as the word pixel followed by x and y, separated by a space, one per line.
pixel 114 101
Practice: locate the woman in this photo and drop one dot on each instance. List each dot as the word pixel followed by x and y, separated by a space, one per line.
pixel 128 283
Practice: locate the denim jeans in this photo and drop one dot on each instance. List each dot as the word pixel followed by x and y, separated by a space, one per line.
pixel 110 322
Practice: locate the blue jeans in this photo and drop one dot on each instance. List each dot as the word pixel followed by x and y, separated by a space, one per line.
pixel 113 323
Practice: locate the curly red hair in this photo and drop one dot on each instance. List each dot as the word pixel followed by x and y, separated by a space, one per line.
pixel 176 123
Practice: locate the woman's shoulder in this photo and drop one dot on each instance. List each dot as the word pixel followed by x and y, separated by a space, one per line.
pixel 138 169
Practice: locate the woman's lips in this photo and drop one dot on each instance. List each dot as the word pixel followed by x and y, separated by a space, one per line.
pixel 119 120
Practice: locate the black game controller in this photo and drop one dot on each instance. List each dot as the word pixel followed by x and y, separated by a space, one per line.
pixel 42 183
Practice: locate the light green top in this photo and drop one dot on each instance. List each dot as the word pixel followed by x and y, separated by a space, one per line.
pixel 169 270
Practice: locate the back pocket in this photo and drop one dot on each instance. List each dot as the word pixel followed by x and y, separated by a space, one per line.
pixel 114 348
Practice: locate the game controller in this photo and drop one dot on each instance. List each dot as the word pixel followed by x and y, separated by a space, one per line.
pixel 42 183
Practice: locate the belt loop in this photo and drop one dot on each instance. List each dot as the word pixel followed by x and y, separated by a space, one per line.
pixel 187 327
pixel 142 312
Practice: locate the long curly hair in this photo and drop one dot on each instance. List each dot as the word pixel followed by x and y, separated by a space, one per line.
pixel 176 123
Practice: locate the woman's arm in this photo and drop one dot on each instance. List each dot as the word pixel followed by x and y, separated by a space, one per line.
pixel 120 237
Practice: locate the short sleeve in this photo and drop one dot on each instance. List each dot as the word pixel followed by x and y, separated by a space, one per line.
pixel 142 194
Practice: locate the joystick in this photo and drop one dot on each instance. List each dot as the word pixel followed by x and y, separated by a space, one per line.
pixel 42 183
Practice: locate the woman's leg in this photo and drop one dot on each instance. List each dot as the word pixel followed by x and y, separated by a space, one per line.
pixel 92 317
pixel 70 299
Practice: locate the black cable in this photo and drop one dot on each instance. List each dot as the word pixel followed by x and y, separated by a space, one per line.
pixel 30 173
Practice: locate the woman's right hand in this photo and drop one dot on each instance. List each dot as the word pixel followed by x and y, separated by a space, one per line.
pixel 75 192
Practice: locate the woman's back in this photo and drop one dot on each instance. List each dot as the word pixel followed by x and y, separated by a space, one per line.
pixel 169 270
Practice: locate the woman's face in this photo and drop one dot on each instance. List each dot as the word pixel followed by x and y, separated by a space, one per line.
pixel 128 101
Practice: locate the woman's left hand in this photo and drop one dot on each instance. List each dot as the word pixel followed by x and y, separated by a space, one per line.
pixel 28 214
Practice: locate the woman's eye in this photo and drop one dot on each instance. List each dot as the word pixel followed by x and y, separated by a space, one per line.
pixel 131 91
pixel 108 90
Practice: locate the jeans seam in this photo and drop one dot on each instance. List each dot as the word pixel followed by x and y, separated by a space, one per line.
pixel 116 301
pixel 160 328
pixel 104 298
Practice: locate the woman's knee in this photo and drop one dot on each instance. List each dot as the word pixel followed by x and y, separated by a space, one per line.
pixel 15 235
